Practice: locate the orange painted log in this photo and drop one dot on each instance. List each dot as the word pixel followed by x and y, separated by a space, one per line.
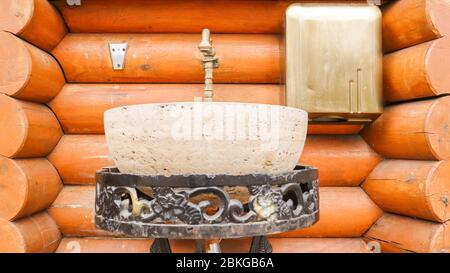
pixel 177 16
pixel 404 234
pixel 78 157
pixel 33 234
pixel 26 186
pixel 103 245
pixel 334 129
pixel 355 159
pixel 92 100
pixel 280 245
pixel 36 21
pixel 28 73
pixel 411 22
pixel 344 212
pixel 417 72
pixel 414 188
pixel 74 212
pixel 415 130
pixel 314 245
pixel 169 58
pixel 27 129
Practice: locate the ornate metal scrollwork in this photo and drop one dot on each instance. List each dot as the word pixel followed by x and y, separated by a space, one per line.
pixel 266 203
pixel 151 209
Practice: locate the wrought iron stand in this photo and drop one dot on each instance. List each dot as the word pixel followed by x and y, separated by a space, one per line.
pixel 201 207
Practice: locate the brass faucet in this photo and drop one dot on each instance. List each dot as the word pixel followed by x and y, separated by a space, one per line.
pixel 209 62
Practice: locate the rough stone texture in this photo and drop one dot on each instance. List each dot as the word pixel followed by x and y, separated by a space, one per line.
pixel 205 138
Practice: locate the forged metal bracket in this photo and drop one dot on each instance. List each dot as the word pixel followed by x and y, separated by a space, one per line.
pixel 73 2
pixel 374 2
pixel 160 245
pixel 142 206
pixel 118 52
pixel 260 244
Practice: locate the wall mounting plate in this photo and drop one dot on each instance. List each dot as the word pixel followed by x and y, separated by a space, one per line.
pixel 118 52
pixel 73 2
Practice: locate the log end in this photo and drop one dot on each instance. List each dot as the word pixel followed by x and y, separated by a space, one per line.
pixel 16 57
pixel 438 66
pixel 421 188
pixel 35 21
pixel 410 22
pixel 437 128
pixel 441 241
pixel 15 15
pixel 13 125
pixel 394 234
pixel 11 240
pixel 439 14
pixel 26 186
pixel 27 129
pixel 34 234
pixel 13 188
pixel 438 194
pixel 32 74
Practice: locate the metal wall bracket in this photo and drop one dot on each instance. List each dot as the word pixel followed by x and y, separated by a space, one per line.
pixel 73 2
pixel 118 52
pixel 374 2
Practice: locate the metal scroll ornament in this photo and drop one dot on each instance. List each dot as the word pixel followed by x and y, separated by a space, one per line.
pixel 150 210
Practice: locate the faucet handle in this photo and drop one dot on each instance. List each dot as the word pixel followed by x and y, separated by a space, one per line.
pixel 206 43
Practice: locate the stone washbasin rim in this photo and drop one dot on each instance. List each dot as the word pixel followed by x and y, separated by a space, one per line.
pixel 111 176
pixel 115 109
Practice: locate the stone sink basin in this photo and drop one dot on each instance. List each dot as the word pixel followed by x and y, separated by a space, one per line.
pixel 205 138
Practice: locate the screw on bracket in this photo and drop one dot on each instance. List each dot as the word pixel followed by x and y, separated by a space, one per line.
pixel 73 2
pixel 118 52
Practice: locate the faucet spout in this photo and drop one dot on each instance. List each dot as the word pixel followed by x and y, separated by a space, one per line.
pixel 209 62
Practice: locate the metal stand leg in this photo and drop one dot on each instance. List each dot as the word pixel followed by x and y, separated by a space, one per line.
pixel 199 246
pixel 160 245
pixel 260 244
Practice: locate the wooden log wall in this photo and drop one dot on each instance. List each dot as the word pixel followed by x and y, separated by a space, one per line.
pixel 412 183
pixel 162 65
pixel 247 16
pixel 29 78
